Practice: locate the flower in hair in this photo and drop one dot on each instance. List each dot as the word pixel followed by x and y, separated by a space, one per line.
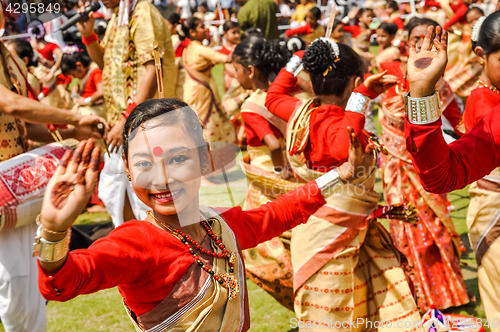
pixel 178 28
pixel 70 49
pixel 335 52
pixel 477 28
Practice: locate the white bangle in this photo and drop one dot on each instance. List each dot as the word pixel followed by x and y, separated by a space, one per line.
pixel 74 95
pixel 423 110
pixel 358 103
pixel 329 182
pixel 53 69
pixel 88 100
pixel 294 65
pixel 48 251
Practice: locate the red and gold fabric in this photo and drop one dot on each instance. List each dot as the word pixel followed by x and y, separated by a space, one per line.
pixel 432 246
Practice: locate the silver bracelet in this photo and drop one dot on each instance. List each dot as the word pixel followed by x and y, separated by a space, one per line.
pixel 329 183
pixel 294 65
pixel 48 251
pixel 358 103
pixel 423 110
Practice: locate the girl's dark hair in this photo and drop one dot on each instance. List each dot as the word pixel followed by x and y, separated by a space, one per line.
pixel 69 61
pixel 489 34
pixel 153 108
pixel 266 56
pixel 471 9
pixel 393 5
pixel 252 32
pixel 24 49
pixel 390 28
pixel 336 23
pixel 318 58
pixel 362 11
pixel 417 21
pixel 316 12
pixel 230 25
pixel 187 25
pixel 174 18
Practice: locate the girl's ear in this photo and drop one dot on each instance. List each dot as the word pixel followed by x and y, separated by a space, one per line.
pixel 26 60
pixel 480 54
pixel 357 82
pixel 251 71
pixel 125 161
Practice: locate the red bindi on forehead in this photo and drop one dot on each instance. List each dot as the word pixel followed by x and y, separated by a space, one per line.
pixel 157 151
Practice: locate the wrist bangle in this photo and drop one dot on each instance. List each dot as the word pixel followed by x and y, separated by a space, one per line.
pixel 39 223
pixel 358 103
pixel 88 100
pixel 423 110
pixel 53 69
pixel 329 182
pixel 89 39
pixel 277 172
pixel 48 251
pixel 294 65
pixel 74 95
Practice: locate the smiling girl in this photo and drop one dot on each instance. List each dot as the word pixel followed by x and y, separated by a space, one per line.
pixel 181 268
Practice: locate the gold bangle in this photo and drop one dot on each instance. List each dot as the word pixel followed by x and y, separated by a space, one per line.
pixel 38 222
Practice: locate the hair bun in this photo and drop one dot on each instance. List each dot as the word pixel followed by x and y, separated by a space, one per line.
pixel 320 55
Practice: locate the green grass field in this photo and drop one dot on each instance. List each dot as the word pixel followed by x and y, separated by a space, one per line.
pixel 103 311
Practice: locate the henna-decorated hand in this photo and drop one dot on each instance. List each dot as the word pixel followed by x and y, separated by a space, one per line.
pixel 360 164
pixel 427 66
pixel 379 83
pixel 71 186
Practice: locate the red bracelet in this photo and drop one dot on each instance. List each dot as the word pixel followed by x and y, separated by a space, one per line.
pixel 90 39
pixel 129 110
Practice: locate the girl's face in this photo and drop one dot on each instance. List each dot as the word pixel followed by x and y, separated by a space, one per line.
pixel 492 68
pixel 313 22
pixel 164 166
pixel 384 39
pixel 338 33
pixel 79 72
pixel 243 75
pixel 389 10
pixel 233 36
pixel 418 34
pixel 472 17
pixel 199 33
pixel 366 17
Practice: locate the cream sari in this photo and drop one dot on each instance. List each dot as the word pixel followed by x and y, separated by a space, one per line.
pixel 345 265
pixel 198 302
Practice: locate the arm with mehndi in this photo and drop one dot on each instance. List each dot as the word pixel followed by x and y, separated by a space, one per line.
pixel 443 168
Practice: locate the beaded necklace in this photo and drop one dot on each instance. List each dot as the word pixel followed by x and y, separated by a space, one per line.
pixel 227 280
pixel 491 87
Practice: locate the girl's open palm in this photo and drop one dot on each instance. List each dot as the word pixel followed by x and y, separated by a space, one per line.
pixel 427 65
pixel 71 186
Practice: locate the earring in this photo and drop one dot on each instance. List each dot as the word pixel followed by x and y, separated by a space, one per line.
pixel 129 178
pixel 481 61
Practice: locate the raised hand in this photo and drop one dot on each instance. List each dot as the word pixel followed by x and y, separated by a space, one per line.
pixel 427 65
pixel 71 186
pixel 361 163
pixel 379 83
pixel 86 27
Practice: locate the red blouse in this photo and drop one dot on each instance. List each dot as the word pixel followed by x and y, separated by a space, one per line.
pixel 91 86
pixel 399 22
pixel 480 102
pixel 224 50
pixel 443 168
pixel 146 262
pixel 328 145
pixel 302 30
pixel 48 51
pixel 256 128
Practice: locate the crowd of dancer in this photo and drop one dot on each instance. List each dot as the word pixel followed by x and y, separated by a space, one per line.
pixel 301 103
